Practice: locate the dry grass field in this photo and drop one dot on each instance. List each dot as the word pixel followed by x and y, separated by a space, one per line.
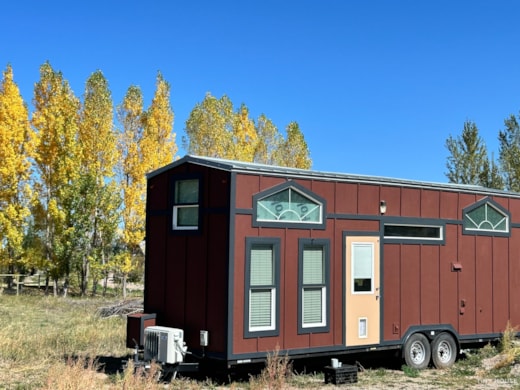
pixel 67 343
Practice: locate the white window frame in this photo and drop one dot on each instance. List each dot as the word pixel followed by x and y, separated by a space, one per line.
pixel 418 238
pixel 323 308
pixel 262 283
pixel 322 246
pixel 175 217
pixel 365 321
pixel 178 206
pixel 272 325
pixel 352 274
pixel 301 216
pixel 478 228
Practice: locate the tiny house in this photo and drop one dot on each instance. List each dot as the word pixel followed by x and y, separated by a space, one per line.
pixel 261 257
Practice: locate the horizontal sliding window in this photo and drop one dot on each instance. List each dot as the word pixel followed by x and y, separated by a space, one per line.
pixel 420 232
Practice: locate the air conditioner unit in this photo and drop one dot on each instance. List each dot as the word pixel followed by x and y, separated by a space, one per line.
pixel 164 345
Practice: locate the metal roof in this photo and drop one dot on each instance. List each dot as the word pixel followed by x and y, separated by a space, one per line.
pixel 255 168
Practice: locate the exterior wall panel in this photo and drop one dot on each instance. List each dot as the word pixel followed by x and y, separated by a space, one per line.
pixel 430 204
pixel 467 287
pixel 514 276
pixel 410 279
pixel 449 205
pixel 484 283
pixel 448 279
pixel 245 186
pixel 501 281
pixel 289 337
pixel 346 198
pixel 391 277
pixel 217 280
pixel 175 290
pixel 326 190
pixel 155 270
pixel 430 289
pixel 268 182
pixel 411 202
pixel 368 199
pixel 392 197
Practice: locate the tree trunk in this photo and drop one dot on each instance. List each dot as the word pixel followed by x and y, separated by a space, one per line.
pixel 55 287
pixel 124 286
pixel 105 284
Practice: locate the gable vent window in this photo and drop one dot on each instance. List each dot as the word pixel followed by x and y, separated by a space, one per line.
pixel 288 205
pixel 487 218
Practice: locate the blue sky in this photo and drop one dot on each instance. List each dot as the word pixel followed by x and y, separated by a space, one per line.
pixel 376 86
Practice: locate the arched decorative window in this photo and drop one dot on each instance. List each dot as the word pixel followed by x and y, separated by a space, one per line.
pixel 289 205
pixel 486 217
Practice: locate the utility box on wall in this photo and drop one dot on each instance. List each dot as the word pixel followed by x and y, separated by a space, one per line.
pixel 135 326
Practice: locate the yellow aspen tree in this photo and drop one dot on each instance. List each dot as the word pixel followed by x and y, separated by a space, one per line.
pixel 96 131
pixel 269 141
pixel 209 128
pixel 158 146
pixel 132 171
pixel 294 152
pixel 15 151
pixel 147 143
pixel 95 219
pixel 57 151
pixel 245 137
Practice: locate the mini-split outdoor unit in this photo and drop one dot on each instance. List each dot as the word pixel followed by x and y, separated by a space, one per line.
pixel 164 345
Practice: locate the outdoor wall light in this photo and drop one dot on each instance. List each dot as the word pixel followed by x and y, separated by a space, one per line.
pixel 382 207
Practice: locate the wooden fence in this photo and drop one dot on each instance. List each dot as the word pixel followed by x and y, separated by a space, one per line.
pixel 18 281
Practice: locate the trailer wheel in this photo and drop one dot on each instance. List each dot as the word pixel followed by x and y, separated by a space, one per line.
pixel 444 350
pixel 417 351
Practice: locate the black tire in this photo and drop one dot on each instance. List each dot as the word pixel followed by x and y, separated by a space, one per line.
pixel 444 350
pixel 417 351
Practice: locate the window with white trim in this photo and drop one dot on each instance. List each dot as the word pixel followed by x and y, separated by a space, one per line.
pixel 186 205
pixel 362 272
pixel 486 217
pixel 313 285
pixel 412 231
pixel 289 205
pixel 262 281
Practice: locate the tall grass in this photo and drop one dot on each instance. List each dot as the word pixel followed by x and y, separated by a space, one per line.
pixel 37 333
pixel 275 375
pixel 56 343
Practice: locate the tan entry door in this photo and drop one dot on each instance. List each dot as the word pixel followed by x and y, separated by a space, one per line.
pixel 362 290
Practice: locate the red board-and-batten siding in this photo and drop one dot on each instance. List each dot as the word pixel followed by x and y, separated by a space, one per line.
pixel 187 275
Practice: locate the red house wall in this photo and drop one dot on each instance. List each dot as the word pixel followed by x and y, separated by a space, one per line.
pixel 187 275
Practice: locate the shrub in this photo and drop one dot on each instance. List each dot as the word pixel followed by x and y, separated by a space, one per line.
pixel 275 374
